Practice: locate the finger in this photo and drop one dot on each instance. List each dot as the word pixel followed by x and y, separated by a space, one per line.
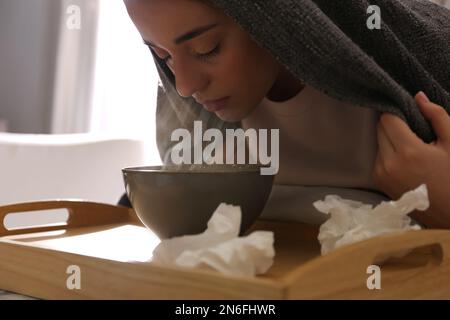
pixel 398 131
pixel 438 116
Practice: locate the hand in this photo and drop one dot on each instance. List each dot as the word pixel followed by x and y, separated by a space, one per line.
pixel 404 161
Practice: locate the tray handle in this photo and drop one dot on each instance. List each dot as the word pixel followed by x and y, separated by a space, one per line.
pixel 403 243
pixel 81 214
pixel 352 261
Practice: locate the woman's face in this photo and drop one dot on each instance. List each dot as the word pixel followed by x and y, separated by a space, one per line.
pixel 219 61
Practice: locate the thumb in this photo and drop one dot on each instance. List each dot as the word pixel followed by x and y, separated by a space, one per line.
pixel 437 115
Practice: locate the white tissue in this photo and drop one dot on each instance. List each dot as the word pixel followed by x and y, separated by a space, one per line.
pixel 220 247
pixel 352 221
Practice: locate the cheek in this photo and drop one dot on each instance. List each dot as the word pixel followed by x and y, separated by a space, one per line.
pixel 248 68
pixel 231 72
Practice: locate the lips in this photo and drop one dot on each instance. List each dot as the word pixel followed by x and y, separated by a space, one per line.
pixel 215 105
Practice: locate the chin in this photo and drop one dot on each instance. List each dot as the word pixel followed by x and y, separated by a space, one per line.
pixel 234 114
pixel 228 116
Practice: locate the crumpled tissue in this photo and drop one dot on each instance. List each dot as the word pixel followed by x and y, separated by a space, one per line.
pixel 219 247
pixel 352 221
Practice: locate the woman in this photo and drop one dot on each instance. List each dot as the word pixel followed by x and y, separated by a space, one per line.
pixel 319 73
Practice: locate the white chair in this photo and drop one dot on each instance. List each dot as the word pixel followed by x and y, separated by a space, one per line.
pixel 73 166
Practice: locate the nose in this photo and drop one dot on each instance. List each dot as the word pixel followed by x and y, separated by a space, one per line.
pixel 189 79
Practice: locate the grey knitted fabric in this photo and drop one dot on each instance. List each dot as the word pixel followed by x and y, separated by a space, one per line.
pixel 326 43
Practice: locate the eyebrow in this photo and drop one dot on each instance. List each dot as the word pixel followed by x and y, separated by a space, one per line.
pixel 188 35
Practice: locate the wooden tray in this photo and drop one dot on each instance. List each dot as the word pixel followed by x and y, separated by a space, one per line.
pixel 113 251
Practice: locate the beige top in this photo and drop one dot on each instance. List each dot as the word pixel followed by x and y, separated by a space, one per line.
pixel 326 147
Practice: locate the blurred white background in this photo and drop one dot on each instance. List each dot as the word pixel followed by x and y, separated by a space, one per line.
pixel 55 80
pixel 113 73
pixel 78 101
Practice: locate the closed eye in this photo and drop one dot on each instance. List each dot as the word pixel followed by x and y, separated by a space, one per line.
pixel 209 54
pixel 201 56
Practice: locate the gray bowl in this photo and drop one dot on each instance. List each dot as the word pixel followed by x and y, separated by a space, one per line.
pixel 179 200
